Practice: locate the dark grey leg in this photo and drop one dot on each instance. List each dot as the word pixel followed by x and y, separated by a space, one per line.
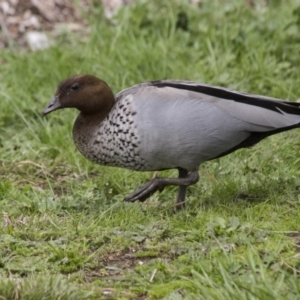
pixel 180 201
pixel 158 184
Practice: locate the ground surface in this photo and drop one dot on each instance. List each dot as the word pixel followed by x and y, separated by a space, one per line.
pixel 65 232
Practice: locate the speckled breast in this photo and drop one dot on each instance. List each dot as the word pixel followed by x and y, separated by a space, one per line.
pixel 116 141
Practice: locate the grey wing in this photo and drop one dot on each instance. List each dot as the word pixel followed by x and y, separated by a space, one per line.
pixel 270 113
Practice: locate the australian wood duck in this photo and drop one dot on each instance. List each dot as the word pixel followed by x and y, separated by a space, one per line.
pixel 167 124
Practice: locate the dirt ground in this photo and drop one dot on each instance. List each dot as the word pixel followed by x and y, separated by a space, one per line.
pixel 23 22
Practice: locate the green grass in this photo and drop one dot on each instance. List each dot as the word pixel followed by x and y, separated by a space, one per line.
pixel 65 232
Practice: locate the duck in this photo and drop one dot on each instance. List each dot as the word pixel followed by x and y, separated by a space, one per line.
pixel 167 124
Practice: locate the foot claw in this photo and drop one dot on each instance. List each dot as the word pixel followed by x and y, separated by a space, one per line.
pixel 145 191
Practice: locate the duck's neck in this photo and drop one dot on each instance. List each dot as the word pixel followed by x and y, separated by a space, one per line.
pixel 85 127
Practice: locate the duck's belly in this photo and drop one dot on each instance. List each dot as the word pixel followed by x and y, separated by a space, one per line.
pixel 185 137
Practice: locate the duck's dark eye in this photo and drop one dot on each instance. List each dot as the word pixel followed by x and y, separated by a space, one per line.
pixel 74 87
